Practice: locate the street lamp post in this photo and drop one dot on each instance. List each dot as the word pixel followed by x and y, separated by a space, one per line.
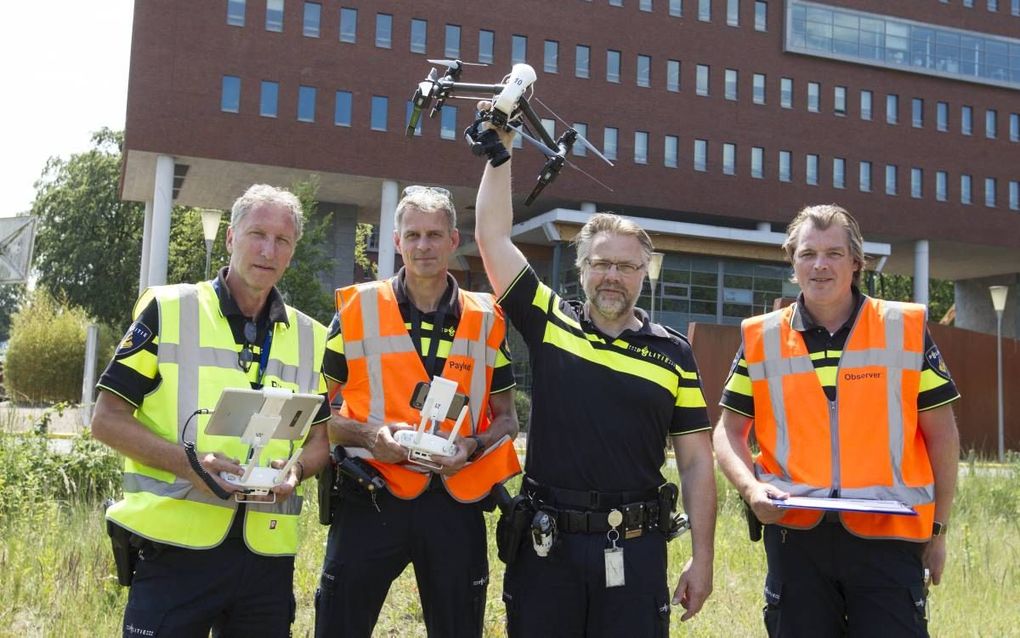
pixel 999 303
pixel 654 268
pixel 210 226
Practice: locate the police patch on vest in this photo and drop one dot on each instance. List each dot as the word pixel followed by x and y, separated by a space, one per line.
pixel 272 523
pixel 137 336
pixel 935 362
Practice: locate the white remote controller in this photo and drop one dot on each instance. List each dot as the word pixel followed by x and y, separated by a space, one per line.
pixel 259 482
pixel 421 445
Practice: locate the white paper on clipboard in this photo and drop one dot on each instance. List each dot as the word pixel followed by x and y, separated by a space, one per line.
pixel 864 505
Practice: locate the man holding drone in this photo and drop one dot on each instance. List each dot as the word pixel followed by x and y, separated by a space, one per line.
pixel 389 339
pixel 609 389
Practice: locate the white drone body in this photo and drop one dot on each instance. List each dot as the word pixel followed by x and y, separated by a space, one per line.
pixel 521 77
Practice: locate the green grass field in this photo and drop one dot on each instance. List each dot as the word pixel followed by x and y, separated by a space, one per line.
pixel 56 572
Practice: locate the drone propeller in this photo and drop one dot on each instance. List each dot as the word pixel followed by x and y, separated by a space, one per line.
pixel 548 152
pixel 455 62
pixel 588 145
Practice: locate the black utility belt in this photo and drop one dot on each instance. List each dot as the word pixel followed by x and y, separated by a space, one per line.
pixel 585 500
pixel 637 519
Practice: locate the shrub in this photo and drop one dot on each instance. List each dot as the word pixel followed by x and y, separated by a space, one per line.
pixel 46 355
pixel 522 403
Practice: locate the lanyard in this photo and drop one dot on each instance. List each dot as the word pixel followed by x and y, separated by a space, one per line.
pixel 264 354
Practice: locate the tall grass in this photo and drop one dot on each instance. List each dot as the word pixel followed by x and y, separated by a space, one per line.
pixel 56 572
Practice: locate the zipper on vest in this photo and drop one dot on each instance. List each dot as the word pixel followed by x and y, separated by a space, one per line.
pixel 834 443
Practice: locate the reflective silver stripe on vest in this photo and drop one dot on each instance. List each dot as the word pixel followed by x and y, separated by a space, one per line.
pixel 771 341
pixel 309 380
pixel 909 495
pixel 894 329
pixel 179 489
pixel 483 356
pixel 208 357
pixel 380 345
pixel 188 361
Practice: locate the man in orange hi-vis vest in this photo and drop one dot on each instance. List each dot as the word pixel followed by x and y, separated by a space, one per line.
pixel 387 337
pixel 848 397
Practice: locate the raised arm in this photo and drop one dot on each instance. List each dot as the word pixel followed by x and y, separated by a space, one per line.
pixel 494 217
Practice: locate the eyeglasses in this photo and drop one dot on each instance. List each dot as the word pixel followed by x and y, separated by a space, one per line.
pixel 603 266
pixel 416 189
pixel 247 356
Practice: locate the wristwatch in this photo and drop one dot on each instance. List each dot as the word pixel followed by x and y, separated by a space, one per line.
pixel 479 448
pixel 938 528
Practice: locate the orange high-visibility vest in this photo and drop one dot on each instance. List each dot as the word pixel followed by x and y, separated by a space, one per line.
pixel 383 368
pixel 866 443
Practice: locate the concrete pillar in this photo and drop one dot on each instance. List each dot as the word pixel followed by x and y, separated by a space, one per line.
pixel 921 271
pixel 159 235
pixel 389 197
pixel 588 208
pixel 143 270
pixel 345 224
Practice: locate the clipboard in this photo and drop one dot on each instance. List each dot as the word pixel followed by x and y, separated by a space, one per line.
pixel 862 505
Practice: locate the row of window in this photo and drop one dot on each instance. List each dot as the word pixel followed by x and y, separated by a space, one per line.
pixel 448 129
pixel 991 5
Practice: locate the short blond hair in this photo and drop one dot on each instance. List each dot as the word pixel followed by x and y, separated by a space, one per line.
pixel 822 216
pixel 614 225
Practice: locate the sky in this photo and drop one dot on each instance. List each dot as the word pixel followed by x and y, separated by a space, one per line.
pixel 64 69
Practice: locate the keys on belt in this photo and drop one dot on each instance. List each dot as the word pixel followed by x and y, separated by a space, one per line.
pixel 637 517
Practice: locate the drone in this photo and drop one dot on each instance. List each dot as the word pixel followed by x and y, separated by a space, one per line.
pixel 510 110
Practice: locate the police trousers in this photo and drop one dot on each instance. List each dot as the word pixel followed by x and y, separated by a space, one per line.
pixel 368 548
pixel 826 582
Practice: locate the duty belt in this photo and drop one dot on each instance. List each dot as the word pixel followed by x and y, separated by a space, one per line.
pixel 587 512
pixel 585 499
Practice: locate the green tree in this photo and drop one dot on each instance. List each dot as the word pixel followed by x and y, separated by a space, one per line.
pixel 301 285
pixel 10 297
pixel 941 294
pixel 89 244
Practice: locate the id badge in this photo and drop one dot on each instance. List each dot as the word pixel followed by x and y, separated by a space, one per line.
pixel 614 567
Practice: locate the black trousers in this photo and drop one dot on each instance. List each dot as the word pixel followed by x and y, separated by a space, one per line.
pixel 368 549
pixel 564 594
pixel 228 589
pixel 826 582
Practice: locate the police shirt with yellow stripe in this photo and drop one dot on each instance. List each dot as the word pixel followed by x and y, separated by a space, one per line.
pixel 602 407
pixel 937 387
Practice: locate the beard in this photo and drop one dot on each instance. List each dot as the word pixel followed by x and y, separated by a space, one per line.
pixel 612 302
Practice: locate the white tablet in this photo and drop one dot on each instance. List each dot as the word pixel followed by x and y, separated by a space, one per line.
pixel 236 406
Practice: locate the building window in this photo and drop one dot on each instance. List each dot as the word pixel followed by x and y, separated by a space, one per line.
pixel 342 113
pixel 1014 195
pixel 864 177
pixel 1015 7
pixel 892 108
pixel 551 59
pixel 838 172
pixel 519 49
pixel 758 88
pixel 671 146
pixel 890 179
pixel 550 126
pixel 1014 126
pixel 306 104
pixel 485 43
pixel 640 147
pixel 966 120
pixel 705 10
pixel 235 13
pixel 839 100
pixel 990 186
pixel 579 150
pixel 733 13
pixel 701 80
pixel 673 75
pixel 965 195
pixel 383 30
pixel 269 98
pixel 785 172
pixel 452 47
pixel 991 124
pixel 676 8
pixel 448 122
pixel 730 84
pixel 230 94
pixel 644 70
pixel 993 5
pixel 582 60
pixel 729 159
pixel 761 15
pixel 700 155
pixel 313 17
pixel 380 106
pixel 941 186
pixel 609 142
pixel 419 35
pixel 813 91
pixel 612 66
pixel 348 25
pixel 645 5
pixel 866 99
pixel 811 170
pixel 757 162
pixel 786 93
pixel 942 116
pixel 917 112
pixel 916 181
pixel 274 15
pixel 616 3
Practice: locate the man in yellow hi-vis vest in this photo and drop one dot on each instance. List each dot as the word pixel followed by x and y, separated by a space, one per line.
pixel 205 561
pixel 848 398
pixel 388 336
